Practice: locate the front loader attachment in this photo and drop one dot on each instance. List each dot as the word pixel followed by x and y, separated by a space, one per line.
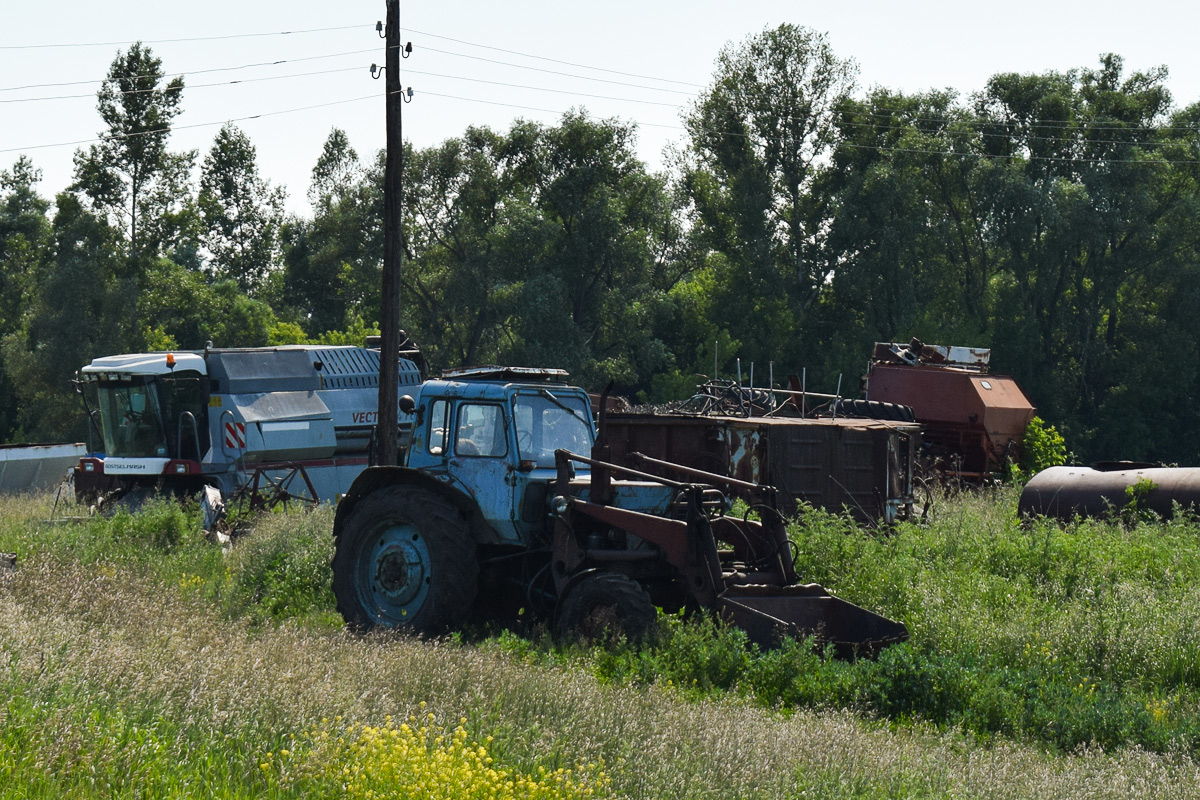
pixel 769 613
pixel 740 568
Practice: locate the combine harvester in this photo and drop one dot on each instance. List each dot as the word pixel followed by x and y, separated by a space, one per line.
pixel 274 423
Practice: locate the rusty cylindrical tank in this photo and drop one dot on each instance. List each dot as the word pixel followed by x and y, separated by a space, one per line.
pixel 1066 492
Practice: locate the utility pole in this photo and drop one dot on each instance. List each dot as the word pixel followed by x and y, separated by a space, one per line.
pixel 389 314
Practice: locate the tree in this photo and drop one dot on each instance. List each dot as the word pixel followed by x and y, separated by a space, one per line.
pixel 1080 219
pixel 67 325
pixel 336 172
pixel 241 213
pixel 130 177
pixel 757 135
pixel 546 245
pixel 905 244
pixel 185 311
pixel 332 263
pixel 26 241
pixel 26 248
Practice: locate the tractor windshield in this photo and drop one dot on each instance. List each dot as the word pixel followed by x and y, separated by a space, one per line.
pixel 130 419
pixel 546 423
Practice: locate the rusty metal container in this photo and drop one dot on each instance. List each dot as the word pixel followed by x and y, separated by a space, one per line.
pixel 859 465
pixel 1066 492
pixel 969 415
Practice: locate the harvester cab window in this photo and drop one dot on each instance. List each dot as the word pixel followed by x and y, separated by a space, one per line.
pixel 480 431
pixel 546 423
pixel 131 420
pixel 185 407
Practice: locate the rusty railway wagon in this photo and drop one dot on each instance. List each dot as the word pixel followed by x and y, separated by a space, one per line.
pixel 862 466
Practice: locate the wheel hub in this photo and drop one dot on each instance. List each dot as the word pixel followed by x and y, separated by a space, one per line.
pixel 399 571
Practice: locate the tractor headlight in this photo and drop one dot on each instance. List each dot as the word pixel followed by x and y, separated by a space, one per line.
pixel 559 505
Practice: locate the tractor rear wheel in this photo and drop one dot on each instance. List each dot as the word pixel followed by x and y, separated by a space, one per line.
pixel 604 608
pixel 404 559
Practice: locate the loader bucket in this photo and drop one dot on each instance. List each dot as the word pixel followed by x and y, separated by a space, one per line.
pixel 768 612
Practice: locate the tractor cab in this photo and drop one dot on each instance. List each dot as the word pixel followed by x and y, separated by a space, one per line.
pixel 492 432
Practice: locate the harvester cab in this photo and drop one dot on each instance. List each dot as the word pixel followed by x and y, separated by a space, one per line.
pixel 496 509
pixel 176 422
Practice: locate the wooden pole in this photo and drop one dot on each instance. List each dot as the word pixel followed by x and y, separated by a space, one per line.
pixel 389 313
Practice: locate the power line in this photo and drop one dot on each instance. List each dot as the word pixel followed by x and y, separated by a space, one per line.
pixel 173 41
pixel 1052 124
pixel 195 71
pixel 173 128
pixel 556 72
pixel 539 89
pixel 554 60
pixel 194 86
pixel 878 148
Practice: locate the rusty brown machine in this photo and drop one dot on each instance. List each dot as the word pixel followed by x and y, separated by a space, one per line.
pixel 972 420
pixel 1106 488
pixel 864 467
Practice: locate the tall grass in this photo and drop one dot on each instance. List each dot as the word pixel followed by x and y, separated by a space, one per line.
pixel 117 688
pixel 137 659
pixel 1072 636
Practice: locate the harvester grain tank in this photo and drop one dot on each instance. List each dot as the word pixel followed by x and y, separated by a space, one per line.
pixel 972 420
pixel 496 507
pixel 183 420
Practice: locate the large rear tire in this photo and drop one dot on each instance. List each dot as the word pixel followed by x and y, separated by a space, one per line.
pixel 404 559
pixel 604 608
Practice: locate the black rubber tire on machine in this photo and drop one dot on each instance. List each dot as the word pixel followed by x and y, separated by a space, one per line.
pixel 606 607
pixel 875 409
pixel 405 559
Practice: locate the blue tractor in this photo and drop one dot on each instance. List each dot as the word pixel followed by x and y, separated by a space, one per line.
pixel 505 501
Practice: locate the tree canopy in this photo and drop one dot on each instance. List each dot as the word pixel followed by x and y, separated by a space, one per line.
pixel 1051 217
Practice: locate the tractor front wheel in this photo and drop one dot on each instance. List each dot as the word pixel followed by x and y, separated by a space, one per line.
pixel 606 607
pixel 404 559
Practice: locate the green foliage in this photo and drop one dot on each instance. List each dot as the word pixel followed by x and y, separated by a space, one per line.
pixel 241 213
pixel 129 176
pixel 355 333
pixel 281 570
pixel 282 333
pixel 1065 636
pixel 1041 447
pixel 1135 495
pixel 332 262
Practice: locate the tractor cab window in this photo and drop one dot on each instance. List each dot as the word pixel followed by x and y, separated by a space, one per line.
pixel 480 431
pixel 439 421
pixel 546 423
pixel 131 419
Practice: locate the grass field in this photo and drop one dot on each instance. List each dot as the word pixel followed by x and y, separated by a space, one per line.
pixel 138 660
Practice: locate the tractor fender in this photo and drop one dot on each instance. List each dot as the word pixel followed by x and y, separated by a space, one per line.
pixel 378 478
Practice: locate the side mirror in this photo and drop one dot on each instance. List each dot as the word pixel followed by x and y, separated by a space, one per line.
pixel 407 404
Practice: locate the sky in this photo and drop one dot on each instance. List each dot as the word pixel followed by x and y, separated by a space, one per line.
pixel 286 74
